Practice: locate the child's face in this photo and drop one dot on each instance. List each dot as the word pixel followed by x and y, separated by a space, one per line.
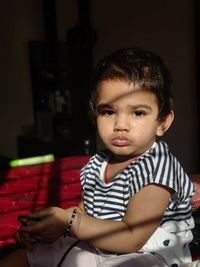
pixel 127 118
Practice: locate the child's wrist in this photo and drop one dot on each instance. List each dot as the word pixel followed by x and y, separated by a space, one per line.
pixel 73 223
pixel 76 223
pixel 70 222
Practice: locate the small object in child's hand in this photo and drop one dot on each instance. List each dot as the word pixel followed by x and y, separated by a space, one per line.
pixel 24 219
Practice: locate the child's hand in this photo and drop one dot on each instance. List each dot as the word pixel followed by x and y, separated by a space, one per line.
pixel 50 228
pixel 22 238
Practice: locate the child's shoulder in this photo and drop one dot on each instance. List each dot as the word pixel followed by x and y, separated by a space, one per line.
pixel 157 159
pixel 160 149
pixel 98 158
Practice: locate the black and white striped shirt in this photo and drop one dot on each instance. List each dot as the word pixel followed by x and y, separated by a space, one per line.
pixel 158 165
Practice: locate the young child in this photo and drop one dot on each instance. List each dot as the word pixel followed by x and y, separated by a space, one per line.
pixel 135 209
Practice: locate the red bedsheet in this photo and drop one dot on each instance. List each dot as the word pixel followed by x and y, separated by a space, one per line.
pixel 23 189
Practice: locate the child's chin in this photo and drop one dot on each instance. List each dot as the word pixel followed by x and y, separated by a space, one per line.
pixel 123 154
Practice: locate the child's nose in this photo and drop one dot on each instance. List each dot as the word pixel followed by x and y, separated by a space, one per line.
pixel 121 123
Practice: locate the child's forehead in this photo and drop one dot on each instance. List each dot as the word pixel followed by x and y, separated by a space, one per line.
pixel 119 91
pixel 108 87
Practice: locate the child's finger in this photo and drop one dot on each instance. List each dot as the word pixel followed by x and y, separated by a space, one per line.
pixel 42 213
pixel 22 238
pixel 39 214
pixel 35 228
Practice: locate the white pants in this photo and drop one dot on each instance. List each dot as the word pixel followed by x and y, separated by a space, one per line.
pixel 82 254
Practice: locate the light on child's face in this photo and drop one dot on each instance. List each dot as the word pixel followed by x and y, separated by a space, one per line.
pixel 127 117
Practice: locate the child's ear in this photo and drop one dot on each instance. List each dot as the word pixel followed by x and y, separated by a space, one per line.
pixel 165 123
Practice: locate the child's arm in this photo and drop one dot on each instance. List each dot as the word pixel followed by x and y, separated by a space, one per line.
pixel 143 216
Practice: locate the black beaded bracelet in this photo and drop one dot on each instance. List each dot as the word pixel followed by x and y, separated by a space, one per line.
pixel 66 232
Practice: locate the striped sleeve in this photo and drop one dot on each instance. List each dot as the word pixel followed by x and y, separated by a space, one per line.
pixel 159 166
pixel 168 171
pixel 88 167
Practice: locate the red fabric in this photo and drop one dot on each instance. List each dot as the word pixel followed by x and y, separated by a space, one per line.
pixel 196 198
pixel 23 189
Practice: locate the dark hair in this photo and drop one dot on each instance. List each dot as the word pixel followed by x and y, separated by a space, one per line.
pixel 135 65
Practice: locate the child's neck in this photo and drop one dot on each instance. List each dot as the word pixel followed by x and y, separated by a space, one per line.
pixel 115 166
pixel 114 159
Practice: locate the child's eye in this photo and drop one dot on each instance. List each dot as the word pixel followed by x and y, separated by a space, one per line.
pixel 138 113
pixel 107 112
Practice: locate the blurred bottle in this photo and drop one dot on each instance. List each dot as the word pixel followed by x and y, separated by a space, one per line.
pixel 87 146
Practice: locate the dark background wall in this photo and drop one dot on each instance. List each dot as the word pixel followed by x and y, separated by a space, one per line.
pixel 166 27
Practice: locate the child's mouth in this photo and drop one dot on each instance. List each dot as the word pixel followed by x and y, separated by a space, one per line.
pixel 120 141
